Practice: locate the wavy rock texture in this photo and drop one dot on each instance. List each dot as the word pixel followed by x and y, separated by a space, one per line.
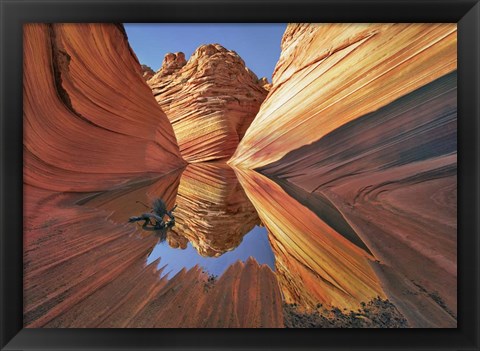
pixel 96 275
pixel 350 164
pixel 132 198
pixel 245 296
pixel 147 72
pixel 90 121
pixel 213 211
pixel 360 127
pixel 392 175
pixel 330 74
pixel 314 263
pixel 95 143
pixel 210 100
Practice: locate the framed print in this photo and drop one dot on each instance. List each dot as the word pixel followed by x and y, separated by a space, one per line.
pixel 190 175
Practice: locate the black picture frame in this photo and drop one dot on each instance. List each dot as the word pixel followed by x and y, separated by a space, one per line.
pixel 16 12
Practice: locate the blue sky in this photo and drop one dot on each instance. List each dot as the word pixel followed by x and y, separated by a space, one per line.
pixel 254 244
pixel 257 43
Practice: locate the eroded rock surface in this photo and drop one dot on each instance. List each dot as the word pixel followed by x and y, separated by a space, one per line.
pixel 350 164
pixel 393 175
pixel 147 72
pixel 210 100
pixel 213 212
pixel 330 74
pixel 360 127
pixel 90 121
pixel 95 144
pixel 314 263
pixel 84 266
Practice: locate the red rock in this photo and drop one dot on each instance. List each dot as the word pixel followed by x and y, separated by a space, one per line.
pixel 265 84
pixel 314 263
pixel 213 211
pixel 81 270
pixel 363 118
pixel 355 145
pixel 147 72
pixel 171 63
pixel 392 175
pixel 90 121
pixel 210 100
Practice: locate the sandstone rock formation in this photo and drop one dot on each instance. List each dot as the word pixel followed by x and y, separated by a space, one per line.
pixel 82 270
pixel 213 213
pixel 134 198
pixel 350 164
pixel 360 127
pixel 171 63
pixel 245 296
pixel 314 263
pixel 210 100
pixel 330 74
pixel 265 84
pixel 90 122
pixel 393 175
pixel 95 143
pixel 147 72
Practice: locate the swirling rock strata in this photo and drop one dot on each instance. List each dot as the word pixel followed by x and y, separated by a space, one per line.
pixel 330 74
pixel 90 121
pixel 393 175
pixel 245 296
pixel 210 100
pixel 314 263
pixel 84 267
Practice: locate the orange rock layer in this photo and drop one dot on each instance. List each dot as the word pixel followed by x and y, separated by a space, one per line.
pixel 392 174
pixel 90 121
pixel 330 74
pixel 210 100
pixel 350 164
pixel 314 263
pixel 95 143
pixel 147 72
pixel 86 267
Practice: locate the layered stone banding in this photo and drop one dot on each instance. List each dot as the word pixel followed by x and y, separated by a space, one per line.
pixel 330 74
pixel 95 143
pixel 360 127
pixel 350 164
pixel 147 72
pixel 210 100
pixel 85 267
pixel 90 121
pixel 314 263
